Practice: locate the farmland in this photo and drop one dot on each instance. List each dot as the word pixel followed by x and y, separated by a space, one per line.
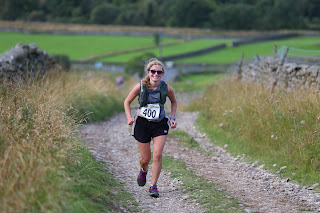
pixel 79 47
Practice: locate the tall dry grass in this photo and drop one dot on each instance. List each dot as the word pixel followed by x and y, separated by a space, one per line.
pixel 281 128
pixel 38 127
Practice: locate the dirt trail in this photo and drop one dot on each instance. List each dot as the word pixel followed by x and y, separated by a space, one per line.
pixel 258 190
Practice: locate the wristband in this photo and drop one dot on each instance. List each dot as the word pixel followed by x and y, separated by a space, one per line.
pixel 174 118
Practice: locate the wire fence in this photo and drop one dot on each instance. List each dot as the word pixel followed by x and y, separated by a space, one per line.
pixel 300 56
pixel 294 55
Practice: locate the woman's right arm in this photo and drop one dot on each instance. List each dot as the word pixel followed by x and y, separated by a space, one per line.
pixel 132 95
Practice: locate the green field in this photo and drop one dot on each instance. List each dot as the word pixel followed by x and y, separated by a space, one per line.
pixel 76 46
pixel 233 54
pixel 83 46
pixel 228 55
pixel 189 46
pixel 196 82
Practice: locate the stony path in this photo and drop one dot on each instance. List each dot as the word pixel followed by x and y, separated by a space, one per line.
pixel 258 190
pixel 111 142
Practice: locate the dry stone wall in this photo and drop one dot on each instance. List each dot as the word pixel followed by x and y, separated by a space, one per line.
pixel 25 60
pixel 271 73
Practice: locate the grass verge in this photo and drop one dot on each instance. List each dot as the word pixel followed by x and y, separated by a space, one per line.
pixel 93 188
pixel 43 166
pixel 208 194
pixel 280 128
pixel 185 139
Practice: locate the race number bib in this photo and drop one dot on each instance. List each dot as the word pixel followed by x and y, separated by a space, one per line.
pixel 150 112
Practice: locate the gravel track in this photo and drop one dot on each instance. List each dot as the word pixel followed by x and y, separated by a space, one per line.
pixel 257 189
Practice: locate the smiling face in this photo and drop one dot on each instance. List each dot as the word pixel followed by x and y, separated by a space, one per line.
pixel 155 73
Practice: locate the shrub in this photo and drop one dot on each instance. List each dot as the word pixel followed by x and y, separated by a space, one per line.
pixel 63 61
pixel 136 64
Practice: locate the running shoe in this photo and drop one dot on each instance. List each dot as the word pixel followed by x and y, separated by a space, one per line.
pixel 153 190
pixel 142 178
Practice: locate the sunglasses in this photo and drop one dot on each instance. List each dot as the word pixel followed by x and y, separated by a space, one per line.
pixel 159 72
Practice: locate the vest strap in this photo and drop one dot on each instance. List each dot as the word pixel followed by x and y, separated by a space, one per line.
pixel 143 98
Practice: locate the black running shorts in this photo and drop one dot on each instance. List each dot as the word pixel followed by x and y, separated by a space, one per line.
pixel 143 130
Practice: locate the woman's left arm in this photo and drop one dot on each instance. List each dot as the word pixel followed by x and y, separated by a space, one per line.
pixel 174 106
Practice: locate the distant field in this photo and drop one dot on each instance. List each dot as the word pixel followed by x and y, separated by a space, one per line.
pixel 196 82
pixel 230 55
pixel 82 46
pixel 76 46
pixel 189 46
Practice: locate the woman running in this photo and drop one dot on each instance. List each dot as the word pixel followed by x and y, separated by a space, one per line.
pixel 151 121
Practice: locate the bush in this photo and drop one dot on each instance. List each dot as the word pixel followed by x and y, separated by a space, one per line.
pixel 63 61
pixel 136 64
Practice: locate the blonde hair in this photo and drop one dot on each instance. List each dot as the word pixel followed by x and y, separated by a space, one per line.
pixel 147 66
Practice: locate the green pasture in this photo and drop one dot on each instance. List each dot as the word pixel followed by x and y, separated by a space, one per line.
pixel 196 82
pixel 233 54
pixel 230 54
pixel 76 46
pixel 82 46
pixel 189 46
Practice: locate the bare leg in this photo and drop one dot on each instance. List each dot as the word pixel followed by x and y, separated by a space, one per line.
pixel 145 153
pixel 158 145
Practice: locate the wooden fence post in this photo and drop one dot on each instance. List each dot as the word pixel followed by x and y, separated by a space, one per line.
pixel 239 70
pixel 283 58
pixel 279 69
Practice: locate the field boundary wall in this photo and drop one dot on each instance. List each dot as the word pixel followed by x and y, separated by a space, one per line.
pixel 272 72
pixel 25 61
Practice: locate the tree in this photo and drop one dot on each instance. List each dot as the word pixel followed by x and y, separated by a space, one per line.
pixel 275 15
pixel 68 10
pixel 136 64
pixel 234 16
pixel 17 9
pixel 104 14
pixel 130 15
pixel 37 15
pixel 190 13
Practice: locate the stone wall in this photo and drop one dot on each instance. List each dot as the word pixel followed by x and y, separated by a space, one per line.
pixel 272 73
pixel 25 61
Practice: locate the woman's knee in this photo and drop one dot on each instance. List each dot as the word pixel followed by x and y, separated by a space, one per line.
pixel 145 160
pixel 157 156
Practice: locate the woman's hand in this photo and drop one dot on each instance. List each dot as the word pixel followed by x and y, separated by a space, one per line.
pixel 130 121
pixel 173 123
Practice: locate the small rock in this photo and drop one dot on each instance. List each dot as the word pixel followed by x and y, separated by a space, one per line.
pixel 251 211
pixel 313 186
pixel 282 168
